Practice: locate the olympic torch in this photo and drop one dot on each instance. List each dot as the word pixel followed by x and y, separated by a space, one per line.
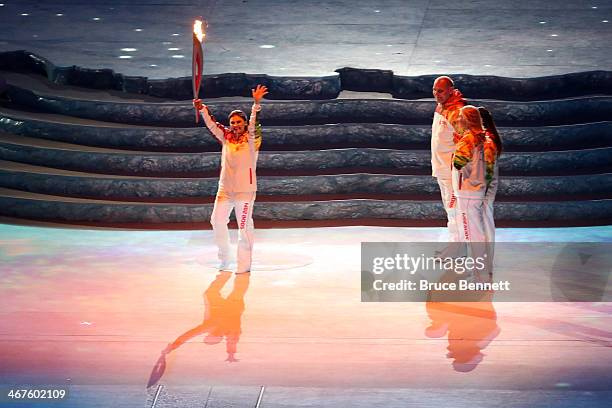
pixel 197 62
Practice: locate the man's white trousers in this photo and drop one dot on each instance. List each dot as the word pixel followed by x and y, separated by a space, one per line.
pixel 450 204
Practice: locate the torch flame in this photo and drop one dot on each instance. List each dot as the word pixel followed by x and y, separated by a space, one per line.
pixel 197 30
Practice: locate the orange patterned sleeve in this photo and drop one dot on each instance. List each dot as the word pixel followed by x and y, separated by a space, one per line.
pixel 463 152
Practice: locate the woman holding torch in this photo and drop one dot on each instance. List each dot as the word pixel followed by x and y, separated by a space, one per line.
pixel 238 182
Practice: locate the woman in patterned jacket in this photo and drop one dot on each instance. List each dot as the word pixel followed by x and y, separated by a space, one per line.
pixel 473 174
pixel 238 181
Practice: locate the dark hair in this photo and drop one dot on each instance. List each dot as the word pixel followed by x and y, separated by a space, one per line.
pixel 239 113
pixel 489 124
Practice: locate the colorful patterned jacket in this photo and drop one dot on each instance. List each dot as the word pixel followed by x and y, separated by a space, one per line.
pixel 238 155
pixel 444 135
pixel 490 156
pixel 474 164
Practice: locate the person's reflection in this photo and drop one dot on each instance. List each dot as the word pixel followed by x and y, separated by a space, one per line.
pixel 222 316
pixel 469 320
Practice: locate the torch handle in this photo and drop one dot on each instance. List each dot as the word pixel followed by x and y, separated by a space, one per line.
pixel 197 117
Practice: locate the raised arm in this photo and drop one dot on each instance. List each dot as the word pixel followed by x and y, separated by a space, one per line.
pixel 258 93
pixel 215 127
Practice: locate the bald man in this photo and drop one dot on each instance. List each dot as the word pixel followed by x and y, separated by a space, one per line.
pixel 445 132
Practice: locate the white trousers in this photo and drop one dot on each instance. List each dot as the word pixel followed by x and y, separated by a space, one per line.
pixel 450 204
pixel 470 220
pixel 488 218
pixel 489 227
pixel 243 205
pixel 471 230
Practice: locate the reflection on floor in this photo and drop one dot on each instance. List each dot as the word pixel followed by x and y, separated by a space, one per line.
pixel 103 312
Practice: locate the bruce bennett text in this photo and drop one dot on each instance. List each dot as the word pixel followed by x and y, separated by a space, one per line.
pixel 423 284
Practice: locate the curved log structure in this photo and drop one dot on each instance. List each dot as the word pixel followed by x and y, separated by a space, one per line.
pixel 112 161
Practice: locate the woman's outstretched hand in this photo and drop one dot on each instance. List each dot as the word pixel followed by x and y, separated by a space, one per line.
pixel 259 92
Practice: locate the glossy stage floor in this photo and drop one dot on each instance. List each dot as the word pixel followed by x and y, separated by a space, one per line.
pixel 92 311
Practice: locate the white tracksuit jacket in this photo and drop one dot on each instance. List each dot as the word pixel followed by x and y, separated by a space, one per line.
pixel 470 182
pixel 238 161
